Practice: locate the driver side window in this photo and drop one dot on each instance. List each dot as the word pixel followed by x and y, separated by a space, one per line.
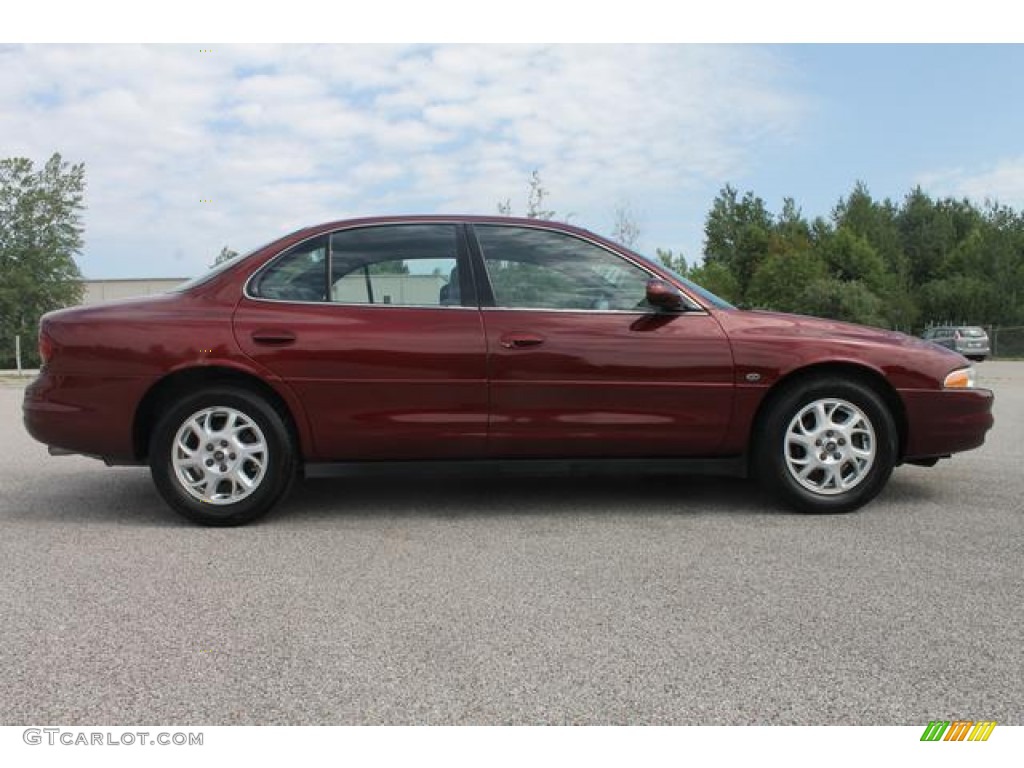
pixel 538 269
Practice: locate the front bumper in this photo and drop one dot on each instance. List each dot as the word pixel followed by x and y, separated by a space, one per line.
pixel 943 422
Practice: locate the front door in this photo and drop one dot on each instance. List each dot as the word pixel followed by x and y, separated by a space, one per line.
pixel 580 365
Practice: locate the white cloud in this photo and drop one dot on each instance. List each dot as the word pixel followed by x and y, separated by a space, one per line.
pixel 1001 182
pixel 283 136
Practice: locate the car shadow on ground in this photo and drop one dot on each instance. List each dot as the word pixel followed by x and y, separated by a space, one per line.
pixel 489 496
pixel 123 495
pixel 476 497
pixel 126 496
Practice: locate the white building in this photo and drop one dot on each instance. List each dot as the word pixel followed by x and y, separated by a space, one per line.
pixel 106 290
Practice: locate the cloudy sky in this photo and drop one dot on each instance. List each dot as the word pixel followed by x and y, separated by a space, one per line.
pixel 188 149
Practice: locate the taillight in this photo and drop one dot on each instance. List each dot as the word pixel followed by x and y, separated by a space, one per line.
pixel 45 347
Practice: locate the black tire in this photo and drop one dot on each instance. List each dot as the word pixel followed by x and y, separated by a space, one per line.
pixel 269 473
pixel 780 455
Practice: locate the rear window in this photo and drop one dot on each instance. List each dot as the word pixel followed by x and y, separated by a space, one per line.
pixel 973 333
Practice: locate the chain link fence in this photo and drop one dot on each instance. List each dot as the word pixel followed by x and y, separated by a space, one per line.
pixel 1007 342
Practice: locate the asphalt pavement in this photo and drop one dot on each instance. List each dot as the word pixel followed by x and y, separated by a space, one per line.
pixel 518 601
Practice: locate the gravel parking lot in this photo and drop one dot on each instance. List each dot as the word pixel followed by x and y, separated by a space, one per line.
pixel 672 601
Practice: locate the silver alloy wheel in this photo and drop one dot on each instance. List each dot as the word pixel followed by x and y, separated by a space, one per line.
pixel 830 446
pixel 219 455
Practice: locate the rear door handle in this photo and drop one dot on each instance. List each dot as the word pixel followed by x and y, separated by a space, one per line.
pixel 520 340
pixel 273 337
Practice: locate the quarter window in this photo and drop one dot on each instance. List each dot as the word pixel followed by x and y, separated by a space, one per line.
pixel 299 274
pixel 539 269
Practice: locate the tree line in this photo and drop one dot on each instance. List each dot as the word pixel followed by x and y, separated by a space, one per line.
pixel 901 265
pixel 905 265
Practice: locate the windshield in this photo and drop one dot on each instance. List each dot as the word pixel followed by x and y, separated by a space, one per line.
pixel 704 293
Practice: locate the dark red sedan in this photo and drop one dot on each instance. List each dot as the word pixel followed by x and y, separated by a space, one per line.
pixel 484 341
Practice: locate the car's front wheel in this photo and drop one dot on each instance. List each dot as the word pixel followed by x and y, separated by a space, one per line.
pixel 828 444
pixel 222 456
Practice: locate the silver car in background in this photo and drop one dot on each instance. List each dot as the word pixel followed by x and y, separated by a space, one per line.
pixel 971 341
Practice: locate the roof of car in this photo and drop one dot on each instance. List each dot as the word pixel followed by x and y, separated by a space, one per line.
pixel 466 218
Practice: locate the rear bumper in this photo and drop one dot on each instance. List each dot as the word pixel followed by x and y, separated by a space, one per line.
pixel 984 351
pixel 83 414
pixel 942 422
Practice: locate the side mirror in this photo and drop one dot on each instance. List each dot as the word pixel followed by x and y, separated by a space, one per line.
pixel 663 295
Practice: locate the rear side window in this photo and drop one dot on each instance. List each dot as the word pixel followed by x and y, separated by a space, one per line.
pixel 413 265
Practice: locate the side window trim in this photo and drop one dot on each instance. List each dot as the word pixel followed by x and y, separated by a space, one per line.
pixel 468 285
pixel 481 281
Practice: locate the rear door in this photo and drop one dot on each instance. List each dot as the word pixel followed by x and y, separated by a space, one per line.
pixel 377 330
pixel 580 365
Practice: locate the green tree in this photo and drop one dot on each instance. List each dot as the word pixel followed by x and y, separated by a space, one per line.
pixel 928 235
pixel 675 262
pixel 535 196
pixel 625 228
pixel 875 221
pixel 960 299
pixel 718 279
pixel 781 282
pixel 40 235
pixel 851 301
pixel 738 235
pixel 791 228
pixel 226 254
pixel 899 266
pixel 1000 263
pixel 535 200
pixel 851 257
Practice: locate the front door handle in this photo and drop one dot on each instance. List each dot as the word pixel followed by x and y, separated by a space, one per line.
pixel 273 337
pixel 520 340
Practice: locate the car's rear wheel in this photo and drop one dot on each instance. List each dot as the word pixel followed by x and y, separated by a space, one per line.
pixel 223 456
pixel 828 444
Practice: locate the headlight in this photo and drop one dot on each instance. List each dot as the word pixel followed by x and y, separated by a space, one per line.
pixel 962 378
